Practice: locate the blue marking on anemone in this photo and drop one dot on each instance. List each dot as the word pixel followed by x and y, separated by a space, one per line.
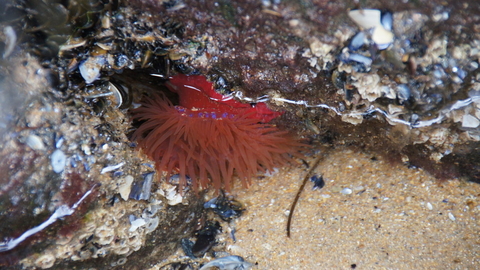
pixel 180 109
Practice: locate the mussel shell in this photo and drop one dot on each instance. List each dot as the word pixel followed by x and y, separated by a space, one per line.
pixel 121 93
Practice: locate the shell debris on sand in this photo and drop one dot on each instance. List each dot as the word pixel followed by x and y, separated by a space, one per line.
pixel 348 226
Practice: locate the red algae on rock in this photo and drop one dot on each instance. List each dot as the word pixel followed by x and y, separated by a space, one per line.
pixel 209 137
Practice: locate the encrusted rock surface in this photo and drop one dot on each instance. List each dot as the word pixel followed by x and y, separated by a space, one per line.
pixel 62 135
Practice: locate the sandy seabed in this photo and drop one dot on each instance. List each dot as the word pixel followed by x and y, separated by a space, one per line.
pixel 394 218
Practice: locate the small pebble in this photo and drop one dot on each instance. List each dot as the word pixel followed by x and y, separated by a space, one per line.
pixel 90 68
pixel 346 191
pixel 429 206
pixel 359 188
pixel 58 161
pixel 86 149
pixel 325 196
pixel 403 92
pixel 59 143
pixel 35 142
pixel 318 181
pixel 451 216
pixel 117 173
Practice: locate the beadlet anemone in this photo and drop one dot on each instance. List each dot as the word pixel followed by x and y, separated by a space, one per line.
pixel 209 137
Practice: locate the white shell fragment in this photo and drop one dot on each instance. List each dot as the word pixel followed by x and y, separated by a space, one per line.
pixel 136 223
pixel 387 21
pixel 58 161
pixel 35 142
pixel 382 37
pixel 59 142
pixel 90 68
pixel 125 188
pixel 11 40
pixel 346 191
pixel 228 263
pixel 173 197
pixel 357 41
pixel 366 18
pixel 72 44
pixel 367 61
pixel 112 167
pixel 470 121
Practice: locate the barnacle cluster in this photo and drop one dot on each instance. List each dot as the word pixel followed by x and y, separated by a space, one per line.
pixel 105 232
pixel 60 151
